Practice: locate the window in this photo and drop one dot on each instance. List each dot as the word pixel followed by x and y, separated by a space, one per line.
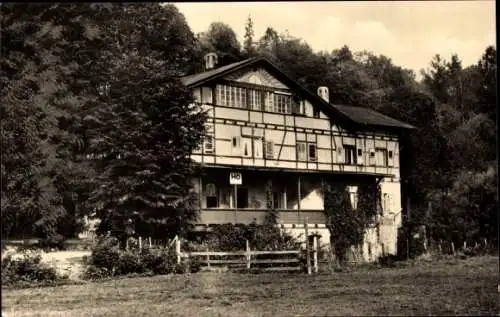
pixel 211 194
pixel 372 156
pixel 381 157
pixel 390 161
pixel 208 142
pixel 247 147
pixel 350 154
pixel 302 107
pixel 278 199
pixel 269 101
pixel 246 98
pixel 312 152
pixel 301 151
pixel 236 146
pixel 269 149
pixel 231 96
pixel 360 157
pixel 254 99
pixel 251 147
pixel 306 151
pixel 316 112
pixel 282 103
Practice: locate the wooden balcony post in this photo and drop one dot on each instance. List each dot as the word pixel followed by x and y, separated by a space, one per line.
pixel 178 249
pixel 298 198
pixel 208 258
pixel 235 203
pixel 248 254
pixel 200 192
pixel 315 255
pixel 308 250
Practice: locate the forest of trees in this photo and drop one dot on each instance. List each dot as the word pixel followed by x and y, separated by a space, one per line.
pixel 103 80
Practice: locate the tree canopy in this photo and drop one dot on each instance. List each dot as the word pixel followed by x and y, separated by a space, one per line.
pixel 102 80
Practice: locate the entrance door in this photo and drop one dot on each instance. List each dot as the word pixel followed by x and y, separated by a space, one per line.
pixel 242 197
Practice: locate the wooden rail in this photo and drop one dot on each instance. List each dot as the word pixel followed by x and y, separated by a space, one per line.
pixel 236 253
pixel 290 260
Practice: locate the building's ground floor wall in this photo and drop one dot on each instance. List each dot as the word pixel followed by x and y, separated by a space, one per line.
pixel 298 198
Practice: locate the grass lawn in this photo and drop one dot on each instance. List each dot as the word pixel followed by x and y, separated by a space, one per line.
pixel 453 287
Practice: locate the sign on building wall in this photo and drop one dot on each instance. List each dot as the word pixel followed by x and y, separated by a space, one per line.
pixel 235 178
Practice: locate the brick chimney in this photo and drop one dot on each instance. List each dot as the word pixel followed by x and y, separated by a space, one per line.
pixel 323 93
pixel 210 61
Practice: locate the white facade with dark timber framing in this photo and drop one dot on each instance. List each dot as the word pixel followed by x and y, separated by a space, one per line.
pixel 284 143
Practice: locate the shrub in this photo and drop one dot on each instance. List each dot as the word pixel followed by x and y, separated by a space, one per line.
pixel 105 254
pixel 27 269
pixel 129 262
pixel 108 260
pixel 233 237
pixel 159 261
pixel 93 272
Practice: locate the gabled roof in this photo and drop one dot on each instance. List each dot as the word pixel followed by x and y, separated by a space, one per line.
pixel 213 73
pixel 371 117
pixel 349 115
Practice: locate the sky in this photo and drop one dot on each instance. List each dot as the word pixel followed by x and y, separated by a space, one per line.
pixel 408 32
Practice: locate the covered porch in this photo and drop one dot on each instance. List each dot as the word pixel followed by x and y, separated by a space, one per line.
pixel 296 196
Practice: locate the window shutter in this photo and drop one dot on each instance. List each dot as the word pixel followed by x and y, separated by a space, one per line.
pixel 209 144
pixel 257 148
pixel 340 153
pixel 269 149
pixel 301 151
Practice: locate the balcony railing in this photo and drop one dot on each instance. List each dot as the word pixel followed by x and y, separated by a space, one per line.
pixel 247 216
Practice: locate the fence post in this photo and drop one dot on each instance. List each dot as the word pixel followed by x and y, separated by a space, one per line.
pixel 178 249
pixel 140 243
pixel 208 259
pixel 150 244
pixel 249 256
pixel 315 256
pixel 308 253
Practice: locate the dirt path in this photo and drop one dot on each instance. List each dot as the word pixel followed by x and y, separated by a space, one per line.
pixel 66 262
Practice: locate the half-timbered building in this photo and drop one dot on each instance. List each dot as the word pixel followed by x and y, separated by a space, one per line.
pixel 271 144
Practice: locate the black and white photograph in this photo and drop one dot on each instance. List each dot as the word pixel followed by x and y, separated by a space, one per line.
pixel 302 158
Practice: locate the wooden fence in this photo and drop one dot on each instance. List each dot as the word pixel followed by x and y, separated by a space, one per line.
pixel 284 260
